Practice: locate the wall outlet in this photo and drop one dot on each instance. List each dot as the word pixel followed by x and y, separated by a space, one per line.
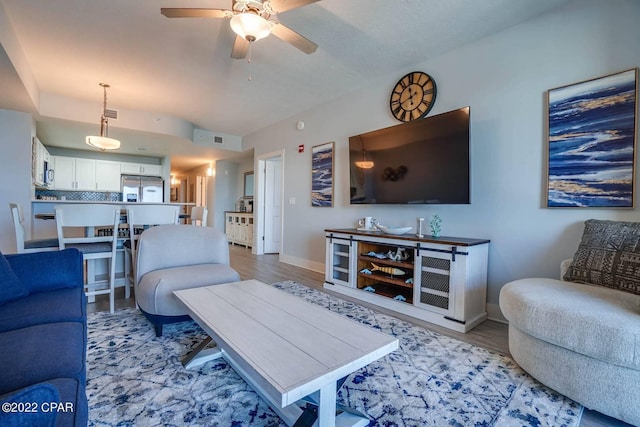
pixel 292 200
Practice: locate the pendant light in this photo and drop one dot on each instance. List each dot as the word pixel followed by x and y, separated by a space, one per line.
pixel 364 163
pixel 103 142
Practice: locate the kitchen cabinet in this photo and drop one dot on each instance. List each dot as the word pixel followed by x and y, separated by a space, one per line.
pixel 74 174
pixel 65 173
pixel 440 280
pixel 108 175
pixel 140 169
pixel 40 163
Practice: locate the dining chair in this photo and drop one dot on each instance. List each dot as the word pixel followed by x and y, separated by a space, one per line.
pixel 199 216
pixel 139 218
pixel 93 230
pixel 32 245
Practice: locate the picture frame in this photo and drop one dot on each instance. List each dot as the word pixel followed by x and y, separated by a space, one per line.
pixel 322 167
pixel 591 142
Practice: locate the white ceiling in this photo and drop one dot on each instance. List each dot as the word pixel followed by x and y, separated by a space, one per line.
pixel 182 67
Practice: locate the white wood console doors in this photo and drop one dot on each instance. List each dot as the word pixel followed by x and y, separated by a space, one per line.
pixel 440 280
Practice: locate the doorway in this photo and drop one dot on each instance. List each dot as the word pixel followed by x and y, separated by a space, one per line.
pixel 201 190
pixel 269 215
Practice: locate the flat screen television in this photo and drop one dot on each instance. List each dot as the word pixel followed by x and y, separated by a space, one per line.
pixel 425 161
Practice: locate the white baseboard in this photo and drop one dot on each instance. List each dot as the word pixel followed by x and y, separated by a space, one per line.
pixel 494 313
pixel 304 263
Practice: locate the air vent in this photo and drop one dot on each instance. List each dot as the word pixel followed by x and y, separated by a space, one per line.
pixel 111 114
pixel 219 140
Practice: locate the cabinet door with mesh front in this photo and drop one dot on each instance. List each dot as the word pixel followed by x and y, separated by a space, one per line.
pixel 434 281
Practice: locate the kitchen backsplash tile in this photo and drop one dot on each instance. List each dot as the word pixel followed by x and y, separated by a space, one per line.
pixel 90 196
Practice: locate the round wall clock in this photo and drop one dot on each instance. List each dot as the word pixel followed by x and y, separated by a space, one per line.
pixel 413 96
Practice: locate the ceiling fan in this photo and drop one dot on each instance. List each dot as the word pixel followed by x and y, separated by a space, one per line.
pixel 252 20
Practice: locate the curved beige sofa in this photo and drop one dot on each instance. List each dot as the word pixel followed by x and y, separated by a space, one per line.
pixel 580 340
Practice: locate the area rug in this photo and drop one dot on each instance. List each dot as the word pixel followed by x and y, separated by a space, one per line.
pixel 136 379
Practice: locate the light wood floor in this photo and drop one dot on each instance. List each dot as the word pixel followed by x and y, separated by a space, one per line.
pixel 490 334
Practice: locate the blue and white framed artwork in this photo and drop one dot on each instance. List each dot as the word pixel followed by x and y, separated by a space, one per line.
pixel 591 142
pixel 322 175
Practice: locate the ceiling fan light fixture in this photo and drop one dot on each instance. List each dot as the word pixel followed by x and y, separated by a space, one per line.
pixel 103 142
pixel 250 26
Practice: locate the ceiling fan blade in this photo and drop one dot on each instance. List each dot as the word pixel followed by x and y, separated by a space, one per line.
pixel 284 5
pixel 288 35
pixel 177 12
pixel 240 48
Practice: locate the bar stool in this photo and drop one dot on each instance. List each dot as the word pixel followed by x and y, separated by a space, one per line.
pixel 199 216
pixel 33 245
pixel 77 225
pixel 139 218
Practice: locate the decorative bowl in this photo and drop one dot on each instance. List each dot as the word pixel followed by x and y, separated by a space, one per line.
pixel 393 230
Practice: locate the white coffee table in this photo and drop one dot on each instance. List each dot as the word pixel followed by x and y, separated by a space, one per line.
pixel 286 348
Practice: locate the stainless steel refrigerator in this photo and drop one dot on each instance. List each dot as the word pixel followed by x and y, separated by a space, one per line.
pixel 142 189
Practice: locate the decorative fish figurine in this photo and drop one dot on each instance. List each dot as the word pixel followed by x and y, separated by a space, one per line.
pixel 389 270
pixel 365 271
pixel 376 255
pixel 369 289
pixel 399 298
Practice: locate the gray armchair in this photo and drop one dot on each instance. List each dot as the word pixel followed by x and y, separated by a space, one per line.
pixel 173 257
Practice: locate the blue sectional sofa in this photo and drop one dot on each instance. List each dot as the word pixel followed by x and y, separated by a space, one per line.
pixel 43 339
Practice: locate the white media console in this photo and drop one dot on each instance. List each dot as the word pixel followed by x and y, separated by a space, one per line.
pixel 440 280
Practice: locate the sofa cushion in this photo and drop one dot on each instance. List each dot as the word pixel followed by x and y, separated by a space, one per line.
pixel 595 321
pixel 70 406
pixel 10 286
pixel 45 271
pixel 30 413
pixel 154 291
pixel 608 255
pixel 41 243
pixel 72 391
pixel 42 352
pixel 62 305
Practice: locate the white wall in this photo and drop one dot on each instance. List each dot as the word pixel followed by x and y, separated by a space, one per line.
pixel 16 130
pixel 504 78
pixel 226 189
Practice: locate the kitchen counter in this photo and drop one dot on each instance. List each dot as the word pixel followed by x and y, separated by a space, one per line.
pixel 61 202
pixel 43 227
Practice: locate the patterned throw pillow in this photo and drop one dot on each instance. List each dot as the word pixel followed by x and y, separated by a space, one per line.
pixel 608 255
